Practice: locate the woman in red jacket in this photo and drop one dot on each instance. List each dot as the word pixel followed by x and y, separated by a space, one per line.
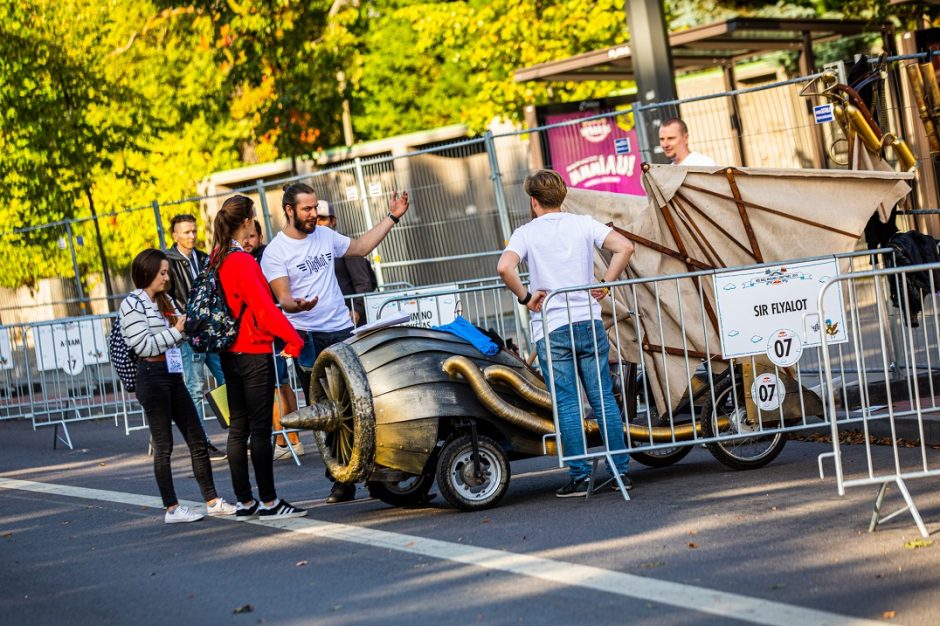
pixel 248 364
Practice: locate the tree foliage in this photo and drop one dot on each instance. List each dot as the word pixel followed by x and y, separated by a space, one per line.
pixel 113 104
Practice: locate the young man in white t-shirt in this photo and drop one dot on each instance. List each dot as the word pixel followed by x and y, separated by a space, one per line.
pixel 299 265
pixel 559 250
pixel 674 140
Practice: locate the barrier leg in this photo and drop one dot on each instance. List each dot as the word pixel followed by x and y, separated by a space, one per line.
pixel 590 488
pixel 67 440
pixel 877 520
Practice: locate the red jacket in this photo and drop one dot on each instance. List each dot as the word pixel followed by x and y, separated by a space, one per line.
pixel 262 321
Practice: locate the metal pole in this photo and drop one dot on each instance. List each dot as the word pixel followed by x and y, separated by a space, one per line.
pixel 367 214
pixel 78 280
pixel 265 212
pixel 156 216
pixel 497 178
pixel 645 154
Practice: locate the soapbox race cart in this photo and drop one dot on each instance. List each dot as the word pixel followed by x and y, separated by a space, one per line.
pixel 401 407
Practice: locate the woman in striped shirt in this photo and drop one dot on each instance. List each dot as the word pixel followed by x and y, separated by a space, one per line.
pixel 152 328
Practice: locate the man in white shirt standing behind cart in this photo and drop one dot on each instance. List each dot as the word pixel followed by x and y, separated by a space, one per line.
pixel 299 264
pixel 559 250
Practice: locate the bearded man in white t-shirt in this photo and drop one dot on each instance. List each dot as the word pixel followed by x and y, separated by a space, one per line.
pixel 299 265
pixel 674 140
pixel 559 250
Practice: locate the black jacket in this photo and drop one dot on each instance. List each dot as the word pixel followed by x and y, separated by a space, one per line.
pixel 354 275
pixel 913 248
pixel 181 274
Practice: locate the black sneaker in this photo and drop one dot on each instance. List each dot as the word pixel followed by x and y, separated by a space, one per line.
pixel 214 453
pixel 280 510
pixel 627 483
pixel 342 492
pixel 244 513
pixel 574 489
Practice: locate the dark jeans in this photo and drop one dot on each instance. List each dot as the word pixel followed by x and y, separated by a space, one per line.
pixel 166 400
pixel 314 344
pixel 249 384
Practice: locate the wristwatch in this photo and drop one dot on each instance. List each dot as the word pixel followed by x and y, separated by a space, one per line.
pixel 393 218
pixel 528 296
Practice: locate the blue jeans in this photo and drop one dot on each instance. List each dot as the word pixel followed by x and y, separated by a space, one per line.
pixel 598 388
pixel 194 374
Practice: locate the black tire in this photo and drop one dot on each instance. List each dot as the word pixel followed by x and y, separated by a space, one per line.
pixel 745 453
pixel 410 492
pixel 457 482
pixel 349 452
pixel 662 457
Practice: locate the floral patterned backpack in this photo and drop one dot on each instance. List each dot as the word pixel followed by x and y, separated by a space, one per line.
pixel 210 325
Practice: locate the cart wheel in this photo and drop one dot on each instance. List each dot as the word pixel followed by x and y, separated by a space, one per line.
pixel 740 454
pixel 662 457
pixel 456 479
pixel 409 492
pixel 338 377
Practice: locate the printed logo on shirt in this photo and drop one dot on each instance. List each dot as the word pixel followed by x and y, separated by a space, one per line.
pixel 315 264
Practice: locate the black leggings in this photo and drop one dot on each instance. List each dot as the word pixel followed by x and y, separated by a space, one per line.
pixel 249 384
pixel 166 400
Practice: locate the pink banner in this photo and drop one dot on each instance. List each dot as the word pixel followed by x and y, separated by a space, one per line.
pixel 601 154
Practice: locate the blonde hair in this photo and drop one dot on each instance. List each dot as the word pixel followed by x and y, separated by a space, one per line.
pixel 547 187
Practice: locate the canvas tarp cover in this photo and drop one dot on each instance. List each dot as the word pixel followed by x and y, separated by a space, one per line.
pixel 700 214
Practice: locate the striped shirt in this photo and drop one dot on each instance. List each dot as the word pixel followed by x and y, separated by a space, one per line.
pixel 144 328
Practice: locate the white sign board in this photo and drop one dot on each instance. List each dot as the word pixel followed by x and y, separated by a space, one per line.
pixel 753 304
pixel 6 353
pixel 70 346
pixel 425 312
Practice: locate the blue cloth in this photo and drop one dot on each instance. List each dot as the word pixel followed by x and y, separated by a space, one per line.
pixel 595 376
pixel 465 330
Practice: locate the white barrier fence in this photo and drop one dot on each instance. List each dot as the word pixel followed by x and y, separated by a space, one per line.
pixel 901 397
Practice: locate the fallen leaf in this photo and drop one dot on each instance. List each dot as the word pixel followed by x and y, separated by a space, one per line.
pixel 409 544
pixel 889 614
pixel 102 464
pixel 301 564
pixel 693 532
pixel 779 586
pixel 693 545
pixel 485 520
pixel 913 544
pixel 7 535
pixel 651 564
pixel 245 608
pixel 336 607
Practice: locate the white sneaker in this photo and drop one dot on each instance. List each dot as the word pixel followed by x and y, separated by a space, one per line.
pixel 283 452
pixel 182 514
pixel 220 508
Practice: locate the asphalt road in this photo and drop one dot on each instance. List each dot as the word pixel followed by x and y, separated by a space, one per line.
pixel 82 540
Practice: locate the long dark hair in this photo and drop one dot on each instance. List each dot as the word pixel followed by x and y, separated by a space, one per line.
pixel 146 267
pixel 229 219
pixel 291 192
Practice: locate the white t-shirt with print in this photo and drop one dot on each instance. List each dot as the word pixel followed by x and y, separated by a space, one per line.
pixel 309 265
pixel 559 249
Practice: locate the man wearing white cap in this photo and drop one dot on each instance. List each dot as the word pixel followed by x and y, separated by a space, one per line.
pixel 353 273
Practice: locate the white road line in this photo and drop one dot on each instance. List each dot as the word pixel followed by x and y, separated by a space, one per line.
pixel 702 600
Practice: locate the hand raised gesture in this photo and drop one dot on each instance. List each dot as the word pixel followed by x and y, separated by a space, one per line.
pixel 399 204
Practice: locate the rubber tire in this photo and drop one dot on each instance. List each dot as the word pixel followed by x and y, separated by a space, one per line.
pixel 455 455
pixel 338 374
pixel 390 493
pixel 724 453
pixel 665 458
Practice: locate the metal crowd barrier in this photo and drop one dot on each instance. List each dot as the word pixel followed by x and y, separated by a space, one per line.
pixel 888 395
pixel 708 398
pixel 58 372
